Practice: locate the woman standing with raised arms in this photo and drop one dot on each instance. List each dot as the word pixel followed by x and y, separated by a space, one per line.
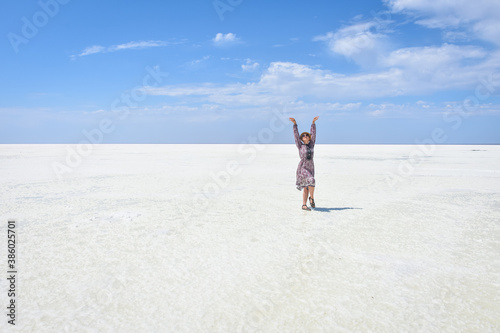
pixel 305 170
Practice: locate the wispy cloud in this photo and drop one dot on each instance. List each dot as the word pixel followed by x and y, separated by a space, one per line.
pixel 120 47
pixel 221 39
pixel 404 72
pixel 478 18
pixel 196 63
pixel 362 42
pixel 250 66
pixel 91 50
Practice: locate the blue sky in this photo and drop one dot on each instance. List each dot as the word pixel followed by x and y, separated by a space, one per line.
pixel 205 71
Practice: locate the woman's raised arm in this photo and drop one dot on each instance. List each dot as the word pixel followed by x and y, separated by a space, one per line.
pixel 313 130
pixel 296 133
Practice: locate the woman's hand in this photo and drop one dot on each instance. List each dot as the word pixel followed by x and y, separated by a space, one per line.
pixel 293 121
pixel 315 118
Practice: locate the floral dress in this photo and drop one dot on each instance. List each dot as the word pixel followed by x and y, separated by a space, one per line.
pixel 305 169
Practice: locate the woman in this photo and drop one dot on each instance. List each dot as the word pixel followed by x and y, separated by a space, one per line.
pixel 305 170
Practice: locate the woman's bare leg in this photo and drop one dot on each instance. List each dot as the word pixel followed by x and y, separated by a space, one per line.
pixel 304 196
pixel 311 191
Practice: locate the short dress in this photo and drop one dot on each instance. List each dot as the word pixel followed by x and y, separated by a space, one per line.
pixel 305 169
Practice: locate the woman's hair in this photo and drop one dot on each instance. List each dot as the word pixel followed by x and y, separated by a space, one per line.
pixel 309 135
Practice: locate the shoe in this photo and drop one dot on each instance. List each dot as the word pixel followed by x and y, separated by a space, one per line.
pixel 311 200
pixel 306 208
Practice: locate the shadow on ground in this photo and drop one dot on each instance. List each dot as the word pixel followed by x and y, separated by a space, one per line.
pixel 323 209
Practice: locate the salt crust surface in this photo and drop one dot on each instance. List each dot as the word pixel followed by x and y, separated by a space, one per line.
pixel 143 238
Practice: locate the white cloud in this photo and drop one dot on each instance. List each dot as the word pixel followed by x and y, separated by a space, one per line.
pixel 392 110
pixel 479 17
pixel 430 58
pixel 138 45
pixel 489 29
pixel 127 46
pixel 92 50
pixel 361 42
pixel 455 36
pixel 250 66
pixel 405 72
pixel 97 111
pixel 221 39
pixel 197 62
